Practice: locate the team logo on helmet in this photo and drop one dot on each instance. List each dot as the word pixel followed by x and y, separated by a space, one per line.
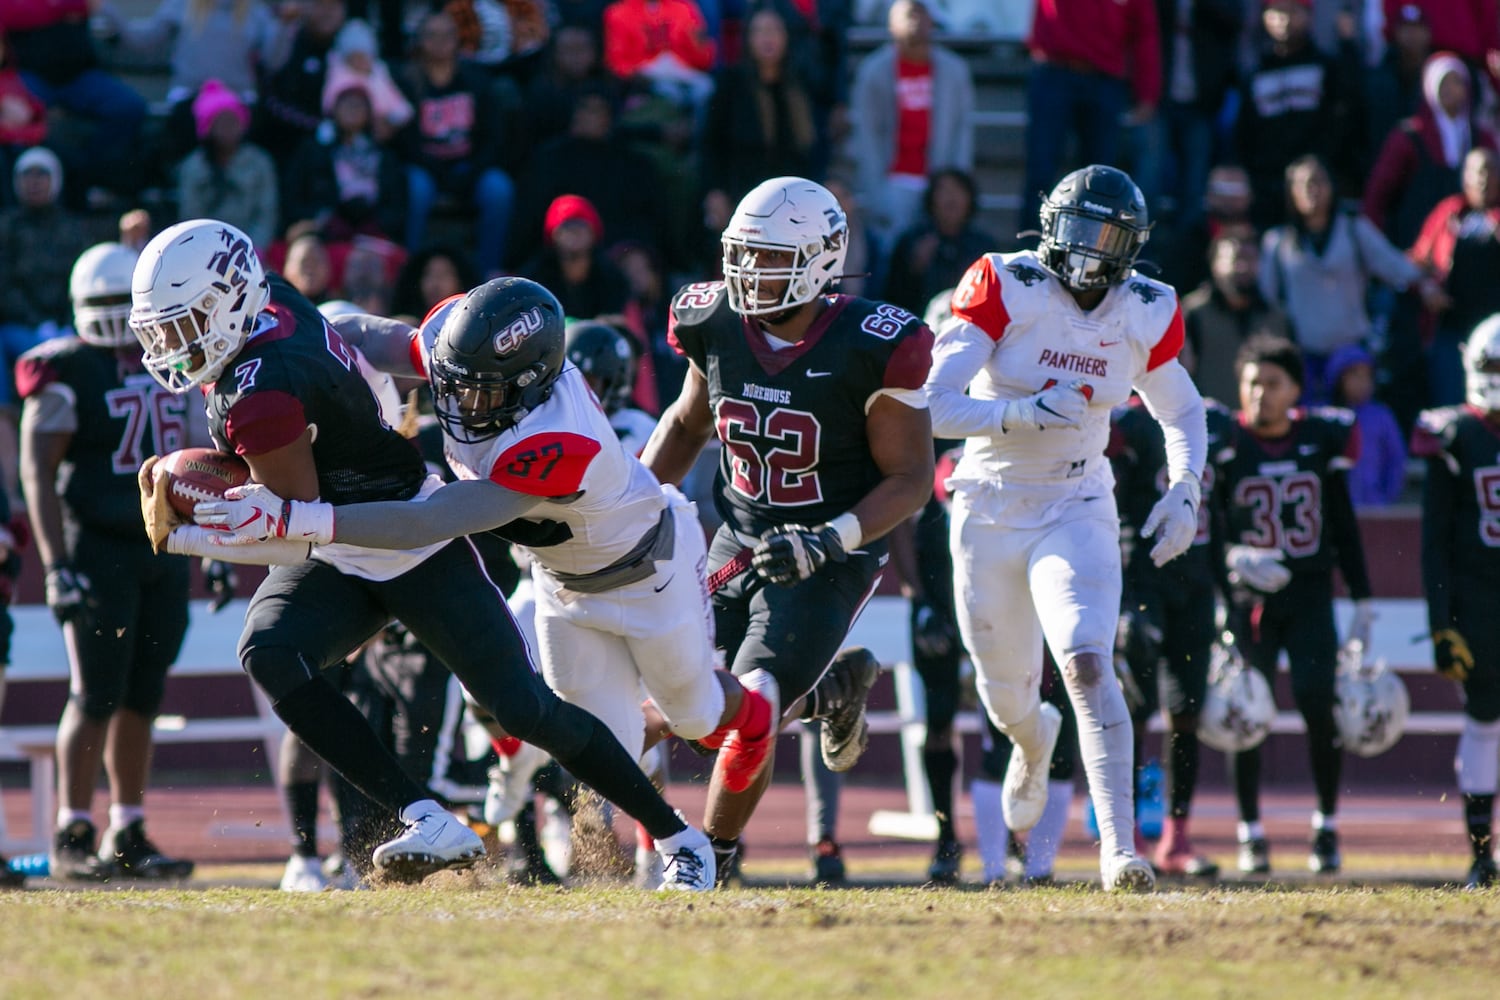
pixel 514 335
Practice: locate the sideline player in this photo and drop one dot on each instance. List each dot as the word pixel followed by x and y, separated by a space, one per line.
pixel 1167 617
pixel 90 416
pixel 817 399
pixel 1045 344
pixel 1281 503
pixel 284 391
pixel 1461 575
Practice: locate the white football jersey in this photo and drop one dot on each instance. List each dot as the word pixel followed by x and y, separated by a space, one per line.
pixel 1015 331
pixel 566 451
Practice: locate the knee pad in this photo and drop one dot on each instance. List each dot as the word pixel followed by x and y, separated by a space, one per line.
pixel 95 706
pixel 1477 762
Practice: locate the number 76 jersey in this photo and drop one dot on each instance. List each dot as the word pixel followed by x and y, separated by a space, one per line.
pixel 792 421
pixel 1272 491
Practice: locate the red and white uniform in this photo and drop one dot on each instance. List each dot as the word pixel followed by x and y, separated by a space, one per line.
pixel 1035 530
pixel 597 650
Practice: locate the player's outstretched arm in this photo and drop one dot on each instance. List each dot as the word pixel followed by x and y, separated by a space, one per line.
pixel 385 343
pixel 253 513
pixel 682 432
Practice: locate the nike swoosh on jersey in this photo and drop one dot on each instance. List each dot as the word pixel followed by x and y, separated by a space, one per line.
pixel 665 585
pixel 813 374
pixel 1108 343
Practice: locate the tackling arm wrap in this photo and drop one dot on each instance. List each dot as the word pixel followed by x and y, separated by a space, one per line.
pixel 1171 397
pixel 452 511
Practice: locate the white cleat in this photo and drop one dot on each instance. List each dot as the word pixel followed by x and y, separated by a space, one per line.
pixel 434 840
pixel 303 875
pixel 1024 795
pixel 510 784
pixel 687 861
pixel 1128 873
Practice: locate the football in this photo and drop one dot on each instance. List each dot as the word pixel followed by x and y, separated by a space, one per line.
pixel 194 475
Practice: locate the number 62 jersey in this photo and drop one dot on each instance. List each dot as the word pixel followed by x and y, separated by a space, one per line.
pixel 792 421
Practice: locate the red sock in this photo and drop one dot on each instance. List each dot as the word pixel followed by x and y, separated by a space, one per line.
pixel 508 747
pixel 752 718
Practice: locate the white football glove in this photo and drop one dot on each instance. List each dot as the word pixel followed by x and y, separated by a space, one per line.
pixel 1058 406
pixel 1257 568
pixel 1363 622
pixel 1173 522
pixel 253 513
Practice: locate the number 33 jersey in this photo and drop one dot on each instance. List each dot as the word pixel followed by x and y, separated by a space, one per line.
pixel 792 421
pixel 1273 491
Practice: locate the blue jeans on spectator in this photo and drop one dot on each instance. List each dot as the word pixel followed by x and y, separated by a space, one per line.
pixel 1060 100
pixel 117 113
pixel 493 195
pixel 1188 143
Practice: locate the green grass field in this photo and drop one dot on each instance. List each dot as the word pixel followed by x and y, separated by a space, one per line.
pixel 460 935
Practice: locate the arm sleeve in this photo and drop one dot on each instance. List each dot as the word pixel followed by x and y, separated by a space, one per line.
pixel 958 354
pixel 1343 532
pixel 457 509
pixel 1170 395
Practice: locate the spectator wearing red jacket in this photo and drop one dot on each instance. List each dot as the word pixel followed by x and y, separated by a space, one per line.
pixel 664 43
pixel 23 118
pixel 1468 28
pixel 1093 62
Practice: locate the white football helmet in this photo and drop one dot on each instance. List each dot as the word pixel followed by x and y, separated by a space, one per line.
pixel 197 290
pixel 1482 388
pixel 100 290
pixel 1372 703
pixel 1237 708
pixel 797 218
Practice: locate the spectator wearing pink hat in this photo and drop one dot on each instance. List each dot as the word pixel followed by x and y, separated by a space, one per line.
pixel 354 61
pixel 226 177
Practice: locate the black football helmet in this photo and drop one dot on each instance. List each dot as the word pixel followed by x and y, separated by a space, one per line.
pixel 604 356
pixel 1094 224
pixel 497 356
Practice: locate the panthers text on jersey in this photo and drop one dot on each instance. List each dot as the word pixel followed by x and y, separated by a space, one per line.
pixel 1461 504
pixel 1138 454
pixel 601 501
pixel 1038 337
pixel 1275 493
pixel 122 417
pixel 793 421
pixel 293 373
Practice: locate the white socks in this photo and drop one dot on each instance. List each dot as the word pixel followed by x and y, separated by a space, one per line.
pixel 1046 837
pixel 989 827
pixel 122 816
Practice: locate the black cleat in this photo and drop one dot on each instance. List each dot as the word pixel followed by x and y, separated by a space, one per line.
pixel 727 862
pixel 1324 858
pixel 73 858
pixel 828 863
pixel 135 856
pixel 841 698
pixel 946 861
pixel 1482 874
pixel 9 877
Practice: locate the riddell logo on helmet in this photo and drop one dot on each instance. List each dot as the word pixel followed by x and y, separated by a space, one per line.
pixel 1097 208
pixel 511 338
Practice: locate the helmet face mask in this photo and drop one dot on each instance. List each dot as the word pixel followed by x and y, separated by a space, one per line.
pixel 498 354
pixel 1482 366
pixel 1094 224
pixel 99 288
pixel 784 245
pixel 197 290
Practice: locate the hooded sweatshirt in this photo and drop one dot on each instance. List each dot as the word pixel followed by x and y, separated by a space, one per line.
pixel 1380 473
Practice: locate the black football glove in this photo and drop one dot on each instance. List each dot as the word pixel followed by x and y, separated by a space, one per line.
pixel 70 596
pixel 220 578
pixel 789 554
pixel 932 634
pixel 1451 656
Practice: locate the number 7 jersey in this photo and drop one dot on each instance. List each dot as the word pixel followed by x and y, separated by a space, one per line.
pixel 792 421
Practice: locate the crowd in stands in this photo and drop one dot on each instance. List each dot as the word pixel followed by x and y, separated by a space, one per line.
pixel 1314 167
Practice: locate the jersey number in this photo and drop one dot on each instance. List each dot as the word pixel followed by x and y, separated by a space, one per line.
pixel 1286 513
pixel 775 461
pixel 886 321
pixel 547 457
pixel 140 406
pixel 1487 488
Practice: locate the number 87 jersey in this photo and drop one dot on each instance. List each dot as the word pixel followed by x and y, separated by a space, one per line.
pixel 792 421
pixel 1273 491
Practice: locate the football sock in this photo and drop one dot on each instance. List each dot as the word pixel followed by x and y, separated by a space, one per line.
pixel 724 853
pixel 1182 771
pixel 334 729
pixel 67 817
pixel 302 807
pixel 1246 831
pixel 940 765
pixel 1326 757
pixel 1479 812
pixel 1244 766
pixel 1105 737
pixel 607 768
pixel 1478 758
pixel 121 816
pixel 1046 838
pixel 989 826
pixel 1324 821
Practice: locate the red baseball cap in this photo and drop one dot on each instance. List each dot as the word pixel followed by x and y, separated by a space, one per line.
pixel 571 208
